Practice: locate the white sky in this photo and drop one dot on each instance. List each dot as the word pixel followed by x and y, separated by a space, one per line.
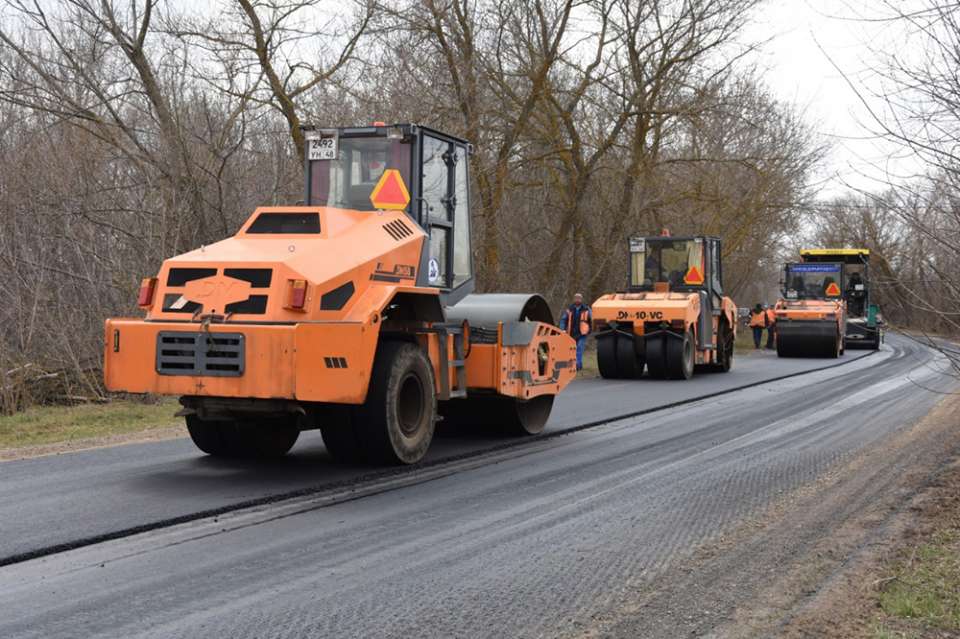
pixel 798 71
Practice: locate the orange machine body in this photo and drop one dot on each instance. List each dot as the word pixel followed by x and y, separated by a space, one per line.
pixel 673 314
pixel 790 310
pixel 318 344
pixel 647 312
pixel 827 313
pixel 811 314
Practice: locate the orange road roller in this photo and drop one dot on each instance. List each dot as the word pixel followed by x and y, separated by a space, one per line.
pixel 353 313
pixel 811 315
pixel 672 317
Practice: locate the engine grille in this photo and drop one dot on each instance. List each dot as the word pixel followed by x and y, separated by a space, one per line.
pixel 200 353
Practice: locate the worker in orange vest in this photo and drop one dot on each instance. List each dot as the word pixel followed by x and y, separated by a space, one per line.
pixel 576 321
pixel 771 326
pixel 758 321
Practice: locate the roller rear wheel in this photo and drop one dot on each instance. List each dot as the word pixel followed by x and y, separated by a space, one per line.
pixel 397 422
pixel 656 355
pixel 681 356
pixel 629 363
pixel 339 434
pixel 206 436
pixel 607 356
pixel 264 437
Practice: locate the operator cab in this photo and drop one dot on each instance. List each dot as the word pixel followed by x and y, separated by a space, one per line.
pixel 813 281
pixel 345 166
pixel 856 274
pixel 680 263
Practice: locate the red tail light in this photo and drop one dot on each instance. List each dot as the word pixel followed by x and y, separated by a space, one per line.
pixel 297 298
pixel 147 287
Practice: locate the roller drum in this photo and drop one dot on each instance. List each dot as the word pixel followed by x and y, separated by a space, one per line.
pixel 806 338
pixel 486 310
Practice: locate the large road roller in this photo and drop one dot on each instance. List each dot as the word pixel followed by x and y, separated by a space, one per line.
pixel 673 315
pixel 811 314
pixel 353 313
pixel 864 327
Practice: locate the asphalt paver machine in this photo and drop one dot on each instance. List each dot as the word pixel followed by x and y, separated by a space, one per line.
pixel 864 323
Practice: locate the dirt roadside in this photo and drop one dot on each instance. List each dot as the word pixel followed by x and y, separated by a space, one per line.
pixel 836 590
pixel 904 583
pixel 782 572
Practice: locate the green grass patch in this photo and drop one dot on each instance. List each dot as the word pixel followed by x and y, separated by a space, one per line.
pixel 882 631
pixel 925 586
pixel 58 424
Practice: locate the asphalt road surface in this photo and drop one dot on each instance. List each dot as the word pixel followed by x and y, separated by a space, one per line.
pixel 552 537
pixel 50 501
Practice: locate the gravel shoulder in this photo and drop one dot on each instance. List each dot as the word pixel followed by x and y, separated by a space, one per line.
pixel 808 565
pixel 905 580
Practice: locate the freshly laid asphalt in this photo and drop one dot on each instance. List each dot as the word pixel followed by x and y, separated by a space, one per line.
pixel 50 501
pixel 540 540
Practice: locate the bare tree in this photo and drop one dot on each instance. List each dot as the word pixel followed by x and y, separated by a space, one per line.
pixel 296 46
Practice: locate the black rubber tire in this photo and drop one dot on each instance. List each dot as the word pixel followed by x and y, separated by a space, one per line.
pixel 629 362
pixel 340 436
pixel 397 422
pixel 268 438
pixel 264 438
pixel 656 355
pixel 207 437
pixel 681 356
pixel 607 356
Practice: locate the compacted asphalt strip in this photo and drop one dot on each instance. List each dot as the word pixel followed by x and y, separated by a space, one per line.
pixel 536 543
pixel 48 504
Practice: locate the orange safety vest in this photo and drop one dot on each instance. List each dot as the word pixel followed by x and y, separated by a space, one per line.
pixel 583 318
pixel 758 320
pixel 771 317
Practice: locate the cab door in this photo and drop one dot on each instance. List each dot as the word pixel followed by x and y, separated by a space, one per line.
pixel 444 212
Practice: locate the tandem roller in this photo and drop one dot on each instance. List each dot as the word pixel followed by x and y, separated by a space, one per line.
pixel 352 314
pixel 811 315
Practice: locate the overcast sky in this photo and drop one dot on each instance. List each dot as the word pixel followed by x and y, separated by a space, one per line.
pixel 798 71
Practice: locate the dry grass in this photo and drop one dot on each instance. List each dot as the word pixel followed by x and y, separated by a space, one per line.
pixel 62 424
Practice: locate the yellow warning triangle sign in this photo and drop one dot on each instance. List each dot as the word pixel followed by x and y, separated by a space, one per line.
pixel 693 276
pixel 833 290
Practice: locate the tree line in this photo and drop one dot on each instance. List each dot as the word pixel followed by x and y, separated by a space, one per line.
pixel 912 222
pixel 132 131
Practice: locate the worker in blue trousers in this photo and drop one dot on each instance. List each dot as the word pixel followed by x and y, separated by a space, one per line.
pixel 576 321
